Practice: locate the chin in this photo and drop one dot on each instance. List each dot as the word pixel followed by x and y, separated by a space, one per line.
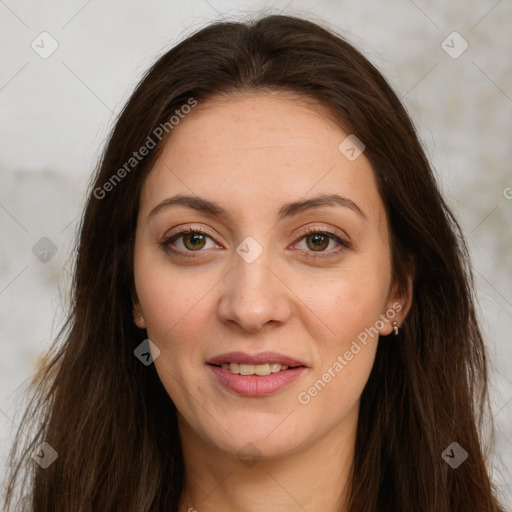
pixel 258 439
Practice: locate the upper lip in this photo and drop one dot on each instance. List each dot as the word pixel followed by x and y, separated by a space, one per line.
pixel 260 358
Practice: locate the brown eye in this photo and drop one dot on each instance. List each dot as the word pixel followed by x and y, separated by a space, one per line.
pixel 317 241
pixel 187 242
pixel 194 241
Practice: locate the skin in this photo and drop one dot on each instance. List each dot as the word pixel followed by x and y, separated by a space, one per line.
pixel 252 152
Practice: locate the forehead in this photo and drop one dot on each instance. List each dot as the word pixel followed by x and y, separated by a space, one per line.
pixel 259 149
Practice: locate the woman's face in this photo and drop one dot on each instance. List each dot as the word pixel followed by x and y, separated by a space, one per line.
pixel 256 289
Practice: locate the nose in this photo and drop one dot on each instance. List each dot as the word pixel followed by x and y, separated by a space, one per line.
pixel 253 295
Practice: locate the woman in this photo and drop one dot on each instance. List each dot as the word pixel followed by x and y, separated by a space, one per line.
pixel 272 302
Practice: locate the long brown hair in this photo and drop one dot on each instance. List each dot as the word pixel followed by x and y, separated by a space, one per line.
pixel 109 417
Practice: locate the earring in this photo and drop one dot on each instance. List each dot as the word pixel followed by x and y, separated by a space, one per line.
pixel 142 321
pixel 395 328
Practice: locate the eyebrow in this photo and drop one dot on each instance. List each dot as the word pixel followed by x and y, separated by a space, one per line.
pixel 287 210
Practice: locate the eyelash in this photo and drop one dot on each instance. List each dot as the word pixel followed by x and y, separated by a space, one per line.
pixel 166 243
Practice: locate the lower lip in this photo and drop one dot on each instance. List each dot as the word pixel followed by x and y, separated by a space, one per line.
pixel 256 385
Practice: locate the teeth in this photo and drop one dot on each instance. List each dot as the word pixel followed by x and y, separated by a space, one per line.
pixel 246 369
pixel 254 369
pixel 262 369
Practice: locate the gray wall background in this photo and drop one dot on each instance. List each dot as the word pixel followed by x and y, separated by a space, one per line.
pixel 56 110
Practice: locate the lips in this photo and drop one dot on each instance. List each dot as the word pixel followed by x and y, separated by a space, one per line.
pixel 255 374
pixel 255 359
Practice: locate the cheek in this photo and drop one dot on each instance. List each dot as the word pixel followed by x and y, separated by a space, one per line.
pixel 175 311
pixel 345 355
pixel 338 387
pixel 350 306
pixel 172 300
pixel 350 302
pixel 175 304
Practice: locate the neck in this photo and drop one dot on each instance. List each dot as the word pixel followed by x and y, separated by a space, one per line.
pixel 315 477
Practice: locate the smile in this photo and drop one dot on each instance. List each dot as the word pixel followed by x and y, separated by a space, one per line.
pixel 254 369
pixel 255 374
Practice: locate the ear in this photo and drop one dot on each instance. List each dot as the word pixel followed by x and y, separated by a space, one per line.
pixel 397 306
pixel 138 315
